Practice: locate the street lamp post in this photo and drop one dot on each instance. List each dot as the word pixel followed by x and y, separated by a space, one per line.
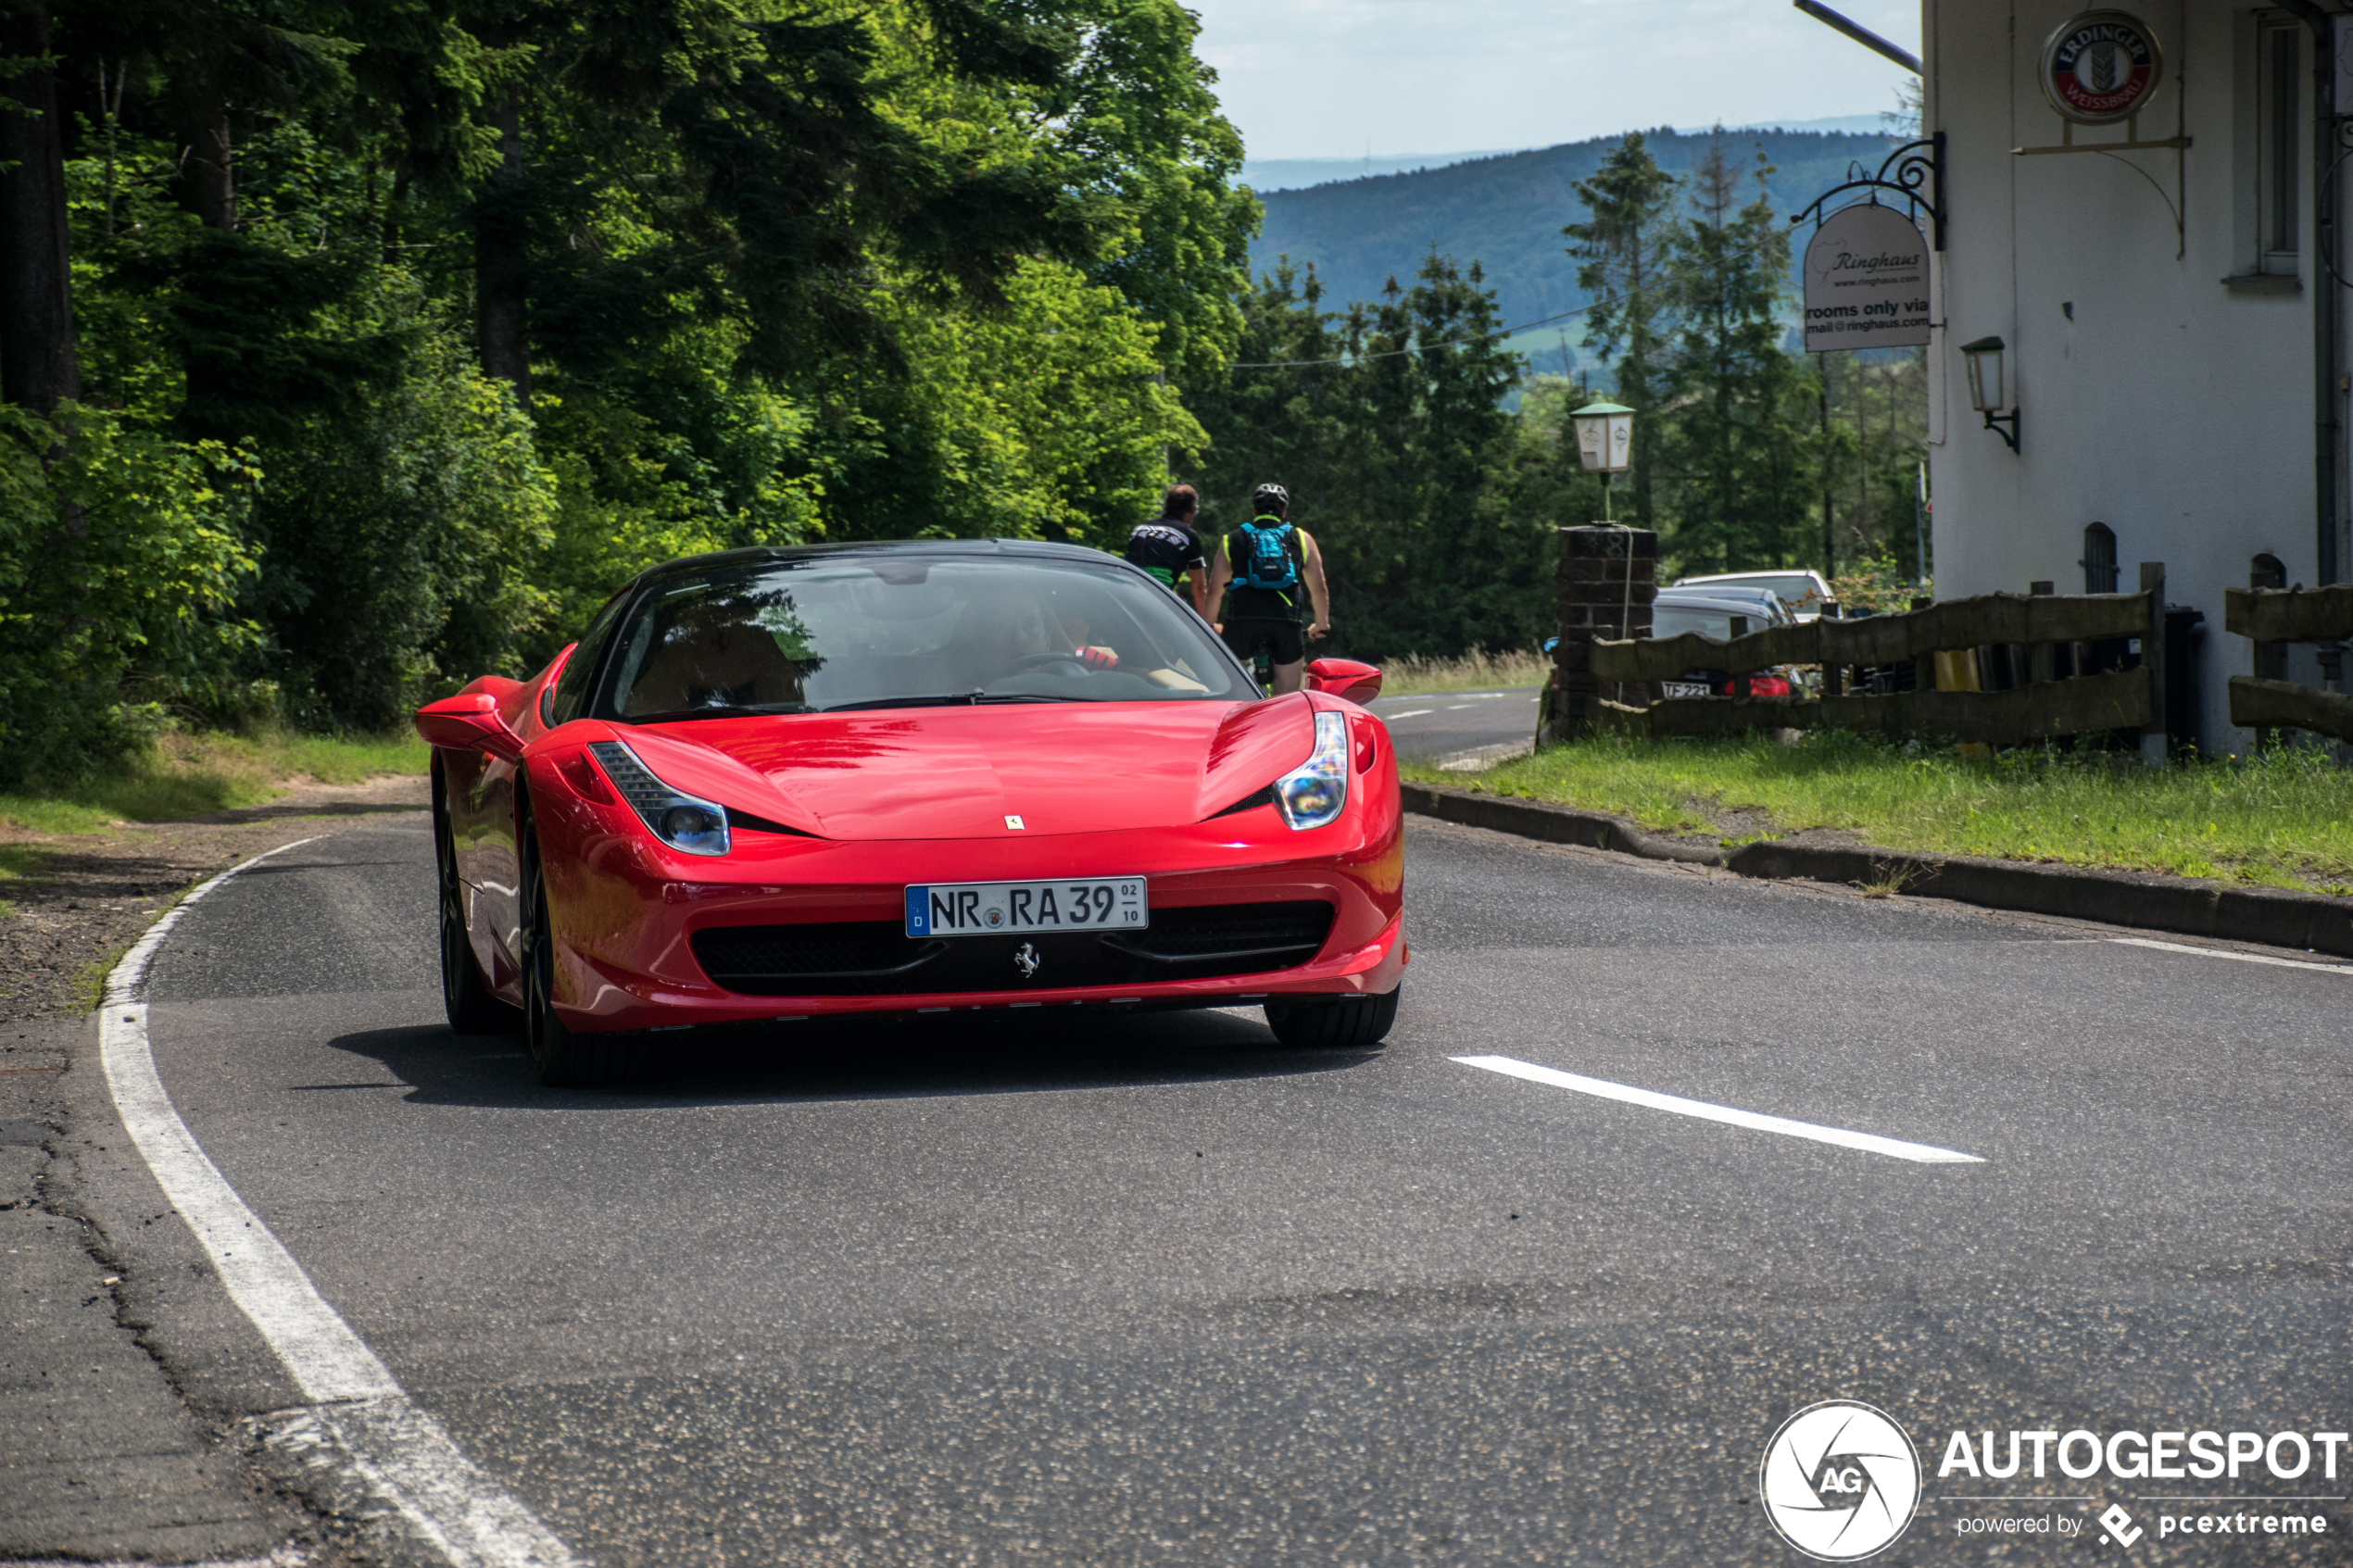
pixel 1605 443
pixel 1985 390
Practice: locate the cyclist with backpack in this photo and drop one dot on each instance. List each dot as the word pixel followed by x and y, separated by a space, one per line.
pixel 1265 562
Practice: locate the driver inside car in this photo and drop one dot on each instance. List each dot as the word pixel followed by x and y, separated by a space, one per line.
pixel 715 655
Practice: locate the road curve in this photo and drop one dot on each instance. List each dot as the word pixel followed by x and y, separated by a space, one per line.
pixel 1055 1290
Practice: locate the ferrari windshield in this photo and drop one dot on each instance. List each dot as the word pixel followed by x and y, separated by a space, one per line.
pixel 896 628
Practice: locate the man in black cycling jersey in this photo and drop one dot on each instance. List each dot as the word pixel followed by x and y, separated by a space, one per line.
pixel 1265 562
pixel 1169 548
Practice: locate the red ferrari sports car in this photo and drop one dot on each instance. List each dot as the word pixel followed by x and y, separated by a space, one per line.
pixel 918 776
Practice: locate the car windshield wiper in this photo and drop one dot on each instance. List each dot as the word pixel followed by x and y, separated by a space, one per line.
pixel 719 710
pixel 944 699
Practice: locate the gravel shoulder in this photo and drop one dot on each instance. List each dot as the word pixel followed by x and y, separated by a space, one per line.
pixel 80 899
pixel 102 1453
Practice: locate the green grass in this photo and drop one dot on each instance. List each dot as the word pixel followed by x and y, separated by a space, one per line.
pixel 1477 671
pixel 192 775
pixel 2284 820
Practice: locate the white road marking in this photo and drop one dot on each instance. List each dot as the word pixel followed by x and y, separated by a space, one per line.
pixel 1410 713
pixel 403 1452
pixel 2218 953
pixel 1870 1142
pixel 1456 707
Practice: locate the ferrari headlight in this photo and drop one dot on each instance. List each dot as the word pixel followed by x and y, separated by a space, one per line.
pixel 679 820
pixel 1312 795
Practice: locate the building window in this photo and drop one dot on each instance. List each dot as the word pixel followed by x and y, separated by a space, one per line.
pixel 2099 559
pixel 2279 168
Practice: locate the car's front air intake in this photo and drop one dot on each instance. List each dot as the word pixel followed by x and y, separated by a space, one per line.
pixel 876 958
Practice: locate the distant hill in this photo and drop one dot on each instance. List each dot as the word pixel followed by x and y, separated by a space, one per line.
pixel 1506 211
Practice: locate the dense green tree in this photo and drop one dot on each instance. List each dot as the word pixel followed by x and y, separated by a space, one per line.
pixel 1386 423
pixel 1622 249
pixel 490 302
pixel 1741 439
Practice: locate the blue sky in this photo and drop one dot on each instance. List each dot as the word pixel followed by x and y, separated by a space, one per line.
pixel 1326 78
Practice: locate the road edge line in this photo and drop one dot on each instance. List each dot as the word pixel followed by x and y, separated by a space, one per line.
pixel 407 1457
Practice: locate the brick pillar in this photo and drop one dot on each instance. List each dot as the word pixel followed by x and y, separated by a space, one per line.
pixel 1607 579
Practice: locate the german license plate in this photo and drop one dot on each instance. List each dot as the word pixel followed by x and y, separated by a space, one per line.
pixel 1682 688
pixel 992 908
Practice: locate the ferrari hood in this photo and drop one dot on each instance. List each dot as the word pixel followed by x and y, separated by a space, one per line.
pixel 968 773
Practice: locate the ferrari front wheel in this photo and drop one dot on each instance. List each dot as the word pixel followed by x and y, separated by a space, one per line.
pixel 561 1057
pixel 1331 1023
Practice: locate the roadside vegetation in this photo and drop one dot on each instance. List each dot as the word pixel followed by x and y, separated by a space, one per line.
pixel 180 775
pixel 2285 819
pixel 1476 671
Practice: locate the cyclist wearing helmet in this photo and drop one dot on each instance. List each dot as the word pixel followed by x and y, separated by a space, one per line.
pixel 1265 562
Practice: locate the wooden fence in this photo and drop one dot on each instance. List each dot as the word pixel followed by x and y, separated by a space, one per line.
pixel 2054 692
pixel 2271 616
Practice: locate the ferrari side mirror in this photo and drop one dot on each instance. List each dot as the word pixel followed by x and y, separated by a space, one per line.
pixel 1345 679
pixel 469 722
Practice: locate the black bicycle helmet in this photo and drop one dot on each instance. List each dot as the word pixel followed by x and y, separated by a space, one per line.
pixel 1266 493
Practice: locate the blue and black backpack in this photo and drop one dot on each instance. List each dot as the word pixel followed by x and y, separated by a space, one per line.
pixel 1266 559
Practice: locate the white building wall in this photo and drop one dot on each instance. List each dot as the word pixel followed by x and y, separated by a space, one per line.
pixel 2176 410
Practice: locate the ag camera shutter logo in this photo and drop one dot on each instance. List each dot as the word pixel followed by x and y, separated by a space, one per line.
pixel 1840 1481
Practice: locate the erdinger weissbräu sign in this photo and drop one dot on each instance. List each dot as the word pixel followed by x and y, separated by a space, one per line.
pixel 1865 282
pixel 2101 67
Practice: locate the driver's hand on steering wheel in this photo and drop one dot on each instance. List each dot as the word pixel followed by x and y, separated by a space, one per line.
pixel 1096 657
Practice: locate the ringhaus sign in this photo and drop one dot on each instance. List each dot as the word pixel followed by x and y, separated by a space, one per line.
pixel 1865 282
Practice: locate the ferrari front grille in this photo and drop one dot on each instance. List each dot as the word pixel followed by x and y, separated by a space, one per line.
pixel 876 958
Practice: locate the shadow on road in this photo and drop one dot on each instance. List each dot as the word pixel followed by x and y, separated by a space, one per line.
pixel 860 1059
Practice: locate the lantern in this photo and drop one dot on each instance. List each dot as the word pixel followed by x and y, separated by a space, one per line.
pixel 1986 390
pixel 1605 442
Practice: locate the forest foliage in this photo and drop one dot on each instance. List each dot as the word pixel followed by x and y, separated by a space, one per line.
pixel 350 352
pixel 1436 509
pixel 388 339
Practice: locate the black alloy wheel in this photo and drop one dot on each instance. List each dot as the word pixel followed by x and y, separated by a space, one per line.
pixel 471 1007
pixel 560 1057
pixel 1332 1023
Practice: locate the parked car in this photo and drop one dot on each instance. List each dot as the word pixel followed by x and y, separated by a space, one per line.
pixel 1711 612
pixel 908 776
pixel 1805 592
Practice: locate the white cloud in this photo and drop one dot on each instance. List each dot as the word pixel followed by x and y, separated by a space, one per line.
pixel 1331 77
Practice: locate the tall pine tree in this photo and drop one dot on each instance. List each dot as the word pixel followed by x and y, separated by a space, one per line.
pixel 1743 435
pixel 1623 247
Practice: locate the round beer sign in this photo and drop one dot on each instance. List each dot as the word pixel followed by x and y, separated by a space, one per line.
pixel 2101 67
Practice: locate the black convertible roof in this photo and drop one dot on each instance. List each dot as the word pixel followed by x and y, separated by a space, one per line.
pixel 763 555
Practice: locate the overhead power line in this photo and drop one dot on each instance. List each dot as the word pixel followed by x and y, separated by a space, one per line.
pixel 1415 348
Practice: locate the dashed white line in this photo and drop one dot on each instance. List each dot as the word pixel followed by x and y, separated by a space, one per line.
pixel 1928 1154
pixel 1456 707
pixel 2218 953
pixel 404 1453
pixel 1410 713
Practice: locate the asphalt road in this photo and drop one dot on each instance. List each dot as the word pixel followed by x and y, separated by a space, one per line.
pixel 1441 725
pixel 1061 1291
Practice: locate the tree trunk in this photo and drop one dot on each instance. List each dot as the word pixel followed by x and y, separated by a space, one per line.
pixel 502 264
pixel 207 172
pixel 38 367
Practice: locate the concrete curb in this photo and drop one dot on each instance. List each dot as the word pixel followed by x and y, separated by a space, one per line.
pixel 2272 917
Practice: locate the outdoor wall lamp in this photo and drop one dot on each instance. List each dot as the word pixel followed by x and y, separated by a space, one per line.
pixel 1984 359
pixel 1605 442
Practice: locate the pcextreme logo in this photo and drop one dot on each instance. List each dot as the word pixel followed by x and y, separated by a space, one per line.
pixel 1840 1480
